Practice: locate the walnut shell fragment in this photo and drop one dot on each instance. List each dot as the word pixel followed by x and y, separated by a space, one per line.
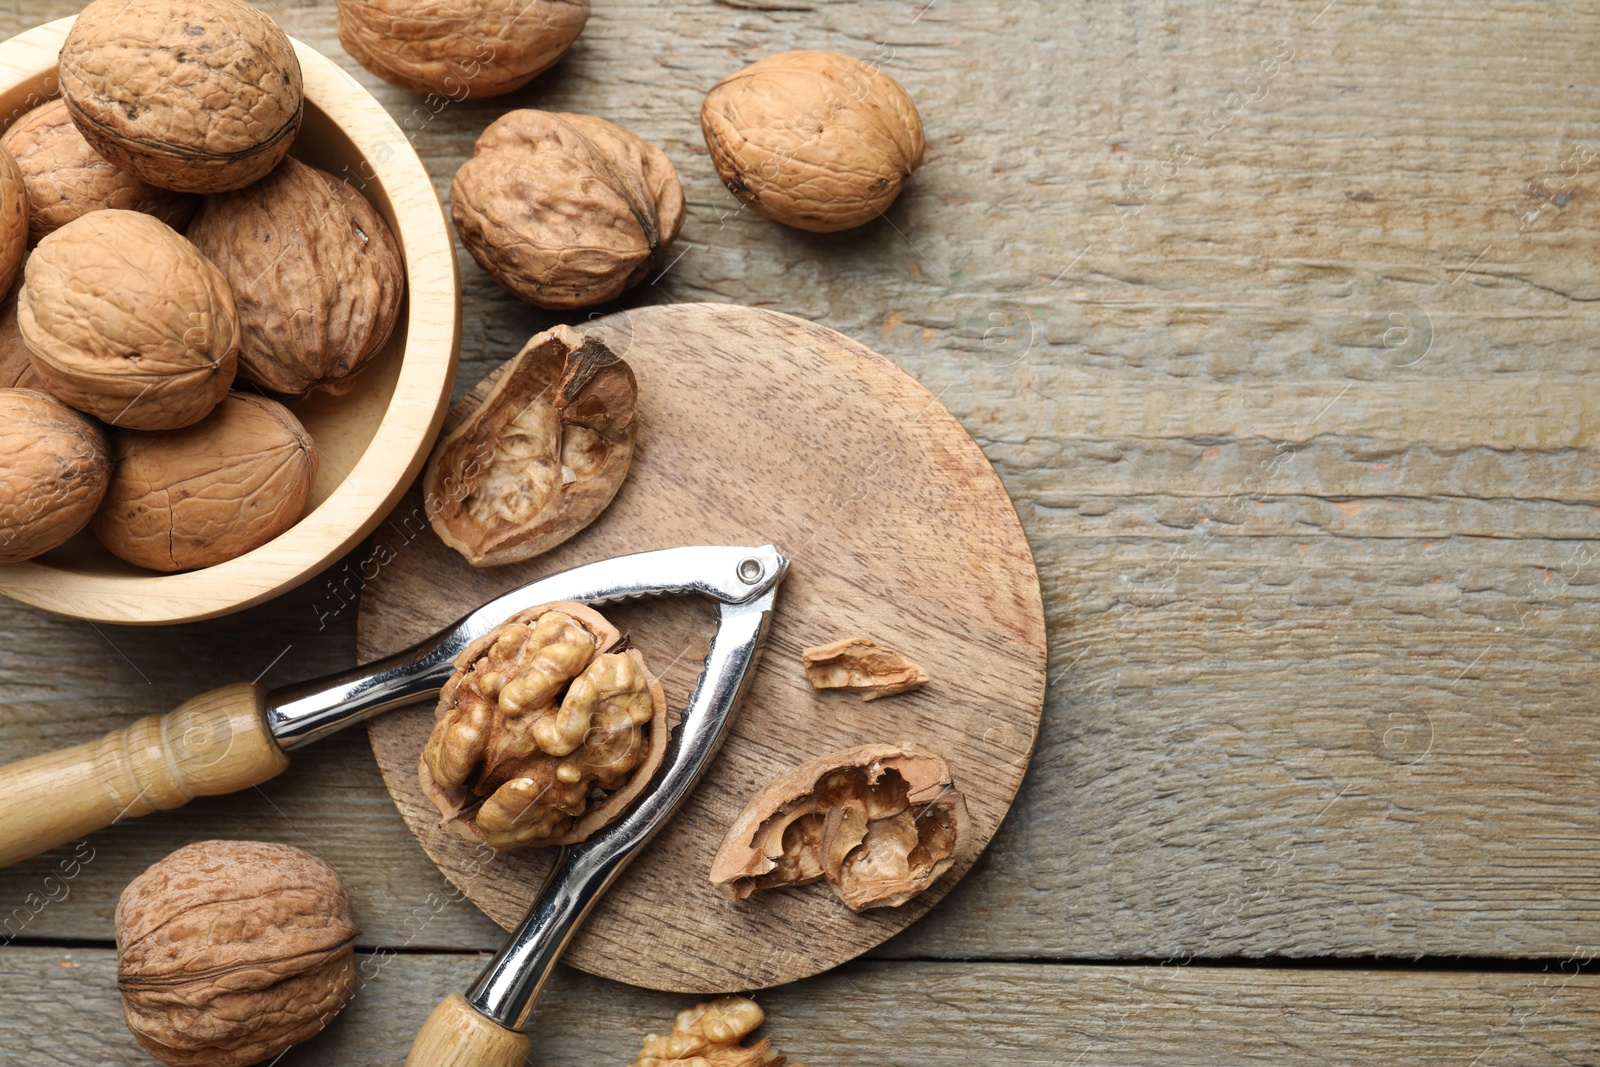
pixel 544 734
pixel 708 1035
pixel 540 457
pixel 228 952
pixel 54 468
pixel 565 210
pixel 202 495
pixel 880 822
pixel 315 274
pixel 198 96
pixel 460 48
pixel 863 666
pixel 65 178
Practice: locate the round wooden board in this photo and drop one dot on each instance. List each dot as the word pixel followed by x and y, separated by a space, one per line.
pixel 758 427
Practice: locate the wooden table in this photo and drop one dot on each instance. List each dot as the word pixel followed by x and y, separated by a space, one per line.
pixel 1276 320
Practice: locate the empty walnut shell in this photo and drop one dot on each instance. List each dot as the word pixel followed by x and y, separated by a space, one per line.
pixel 881 823
pixel 66 178
pixel 459 48
pixel 13 233
pixel 128 322
pixel 54 468
pixel 709 1034
pixel 816 140
pixel 207 493
pixel 544 734
pixel 315 273
pixel 228 952
pixel 539 457
pixel 565 210
pixel 199 96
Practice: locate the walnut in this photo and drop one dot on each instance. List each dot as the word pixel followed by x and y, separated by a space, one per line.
pixel 54 468
pixel 863 666
pixel 544 734
pixel 13 220
pixel 128 322
pixel 540 457
pixel 565 210
pixel 16 365
pixel 228 952
pixel 198 96
pixel 212 491
pixel 66 178
pixel 881 823
pixel 815 140
pixel 315 274
pixel 708 1035
pixel 460 48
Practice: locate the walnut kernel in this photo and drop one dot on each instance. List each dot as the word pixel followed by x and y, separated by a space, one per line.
pixel 863 666
pixel 708 1035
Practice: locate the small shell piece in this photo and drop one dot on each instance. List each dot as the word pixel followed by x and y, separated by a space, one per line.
pixel 863 666
pixel 198 96
pixel 13 234
pixel 128 322
pixel 708 1035
pixel 460 48
pixel 66 178
pixel 207 493
pixel 54 469
pixel 880 822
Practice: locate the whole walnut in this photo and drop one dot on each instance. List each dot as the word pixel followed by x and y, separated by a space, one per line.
pixel 565 210
pixel 66 178
pixel 16 364
pixel 209 492
pixel 228 952
pixel 127 321
pixel 200 96
pixel 315 274
pixel 815 140
pixel 54 468
pixel 13 220
pixel 460 48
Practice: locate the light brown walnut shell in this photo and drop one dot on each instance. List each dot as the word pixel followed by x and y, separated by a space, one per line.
pixel 66 178
pixel 16 364
pixel 565 210
pixel 880 822
pixel 816 140
pixel 540 457
pixel 228 952
pixel 863 666
pixel 544 734
pixel 460 48
pixel 127 321
pixel 207 493
pixel 198 96
pixel 315 273
pixel 54 469
pixel 13 232
pixel 708 1035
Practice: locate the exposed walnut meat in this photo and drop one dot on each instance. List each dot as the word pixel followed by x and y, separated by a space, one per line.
pixel 54 469
pixel 881 823
pixel 543 734
pixel 540 457
pixel 863 666
pixel 708 1035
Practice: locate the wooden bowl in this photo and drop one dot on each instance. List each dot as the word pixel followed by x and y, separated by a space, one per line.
pixel 372 441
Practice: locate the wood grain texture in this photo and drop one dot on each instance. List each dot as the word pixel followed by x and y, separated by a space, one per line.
pixel 895 527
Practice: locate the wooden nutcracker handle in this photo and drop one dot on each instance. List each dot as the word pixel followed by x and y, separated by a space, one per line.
pixel 216 743
pixel 455 1035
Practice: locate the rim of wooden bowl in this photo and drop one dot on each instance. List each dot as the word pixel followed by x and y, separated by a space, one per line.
pixel 403 437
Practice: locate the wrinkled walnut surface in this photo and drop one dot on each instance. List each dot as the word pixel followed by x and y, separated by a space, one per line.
pixel 459 48
pixel 228 952
pixel 315 274
pixel 197 96
pixel 16 365
pixel 54 468
pixel 544 735
pixel 863 666
pixel 816 140
pixel 207 493
pixel 65 178
pixel 13 233
pixel 542 455
pixel 880 822
pixel 565 210
pixel 128 322
pixel 708 1035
